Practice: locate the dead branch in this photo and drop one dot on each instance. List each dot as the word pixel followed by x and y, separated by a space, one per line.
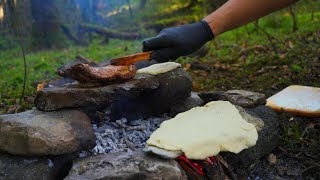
pixel 129 144
pixel 269 36
pixel 294 19
pixel 120 124
pixel 70 36
pixel 137 128
pixel 227 167
pixel 107 32
pixel 245 51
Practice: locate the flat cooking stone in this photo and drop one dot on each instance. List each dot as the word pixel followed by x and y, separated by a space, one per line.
pixel 44 168
pixel 35 133
pixel 136 165
pixel 174 88
pixel 74 96
pixel 241 98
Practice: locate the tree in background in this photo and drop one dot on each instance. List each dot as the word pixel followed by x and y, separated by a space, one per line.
pixel 46 32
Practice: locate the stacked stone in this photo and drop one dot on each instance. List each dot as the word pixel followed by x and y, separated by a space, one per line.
pixel 43 142
pixel 41 145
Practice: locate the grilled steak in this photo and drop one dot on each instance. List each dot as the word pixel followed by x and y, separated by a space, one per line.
pixel 84 73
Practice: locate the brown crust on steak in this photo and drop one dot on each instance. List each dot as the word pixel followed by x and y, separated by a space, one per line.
pixel 84 73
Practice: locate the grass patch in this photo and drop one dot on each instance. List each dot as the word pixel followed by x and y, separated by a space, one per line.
pixel 42 65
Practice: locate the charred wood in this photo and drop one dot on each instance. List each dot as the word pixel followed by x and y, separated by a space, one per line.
pixel 84 73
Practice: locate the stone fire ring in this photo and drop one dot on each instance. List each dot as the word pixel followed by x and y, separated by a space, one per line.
pixel 144 93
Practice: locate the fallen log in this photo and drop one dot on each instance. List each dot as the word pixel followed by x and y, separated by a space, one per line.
pixel 107 32
pixel 70 36
pixel 159 26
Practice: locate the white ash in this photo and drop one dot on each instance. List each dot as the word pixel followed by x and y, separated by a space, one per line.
pixel 123 135
pixel 50 163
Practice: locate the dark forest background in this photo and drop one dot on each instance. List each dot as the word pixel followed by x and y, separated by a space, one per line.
pixel 265 56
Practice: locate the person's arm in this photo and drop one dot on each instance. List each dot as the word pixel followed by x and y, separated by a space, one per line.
pixel 235 13
pixel 172 43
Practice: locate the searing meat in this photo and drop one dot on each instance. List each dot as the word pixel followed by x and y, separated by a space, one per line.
pixel 84 73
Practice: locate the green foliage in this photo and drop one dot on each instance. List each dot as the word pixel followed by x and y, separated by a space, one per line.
pixel 296 68
pixel 42 65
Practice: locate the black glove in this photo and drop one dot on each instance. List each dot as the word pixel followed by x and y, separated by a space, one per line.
pixel 172 43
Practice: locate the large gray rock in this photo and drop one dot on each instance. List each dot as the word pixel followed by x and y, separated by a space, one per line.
pixel 266 122
pixel 136 165
pixel 241 98
pixel 76 96
pixel 44 168
pixel 35 133
pixel 174 87
pixel 192 101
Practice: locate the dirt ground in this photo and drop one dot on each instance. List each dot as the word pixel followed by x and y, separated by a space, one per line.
pixel 297 155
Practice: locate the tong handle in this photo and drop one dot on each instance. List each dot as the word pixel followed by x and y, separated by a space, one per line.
pixel 127 60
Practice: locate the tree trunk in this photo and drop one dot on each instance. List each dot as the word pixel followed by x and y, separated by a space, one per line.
pixel 142 4
pixel 130 9
pixel 46 24
pixel 94 11
pixel 88 9
pixel 1 15
pixel 5 20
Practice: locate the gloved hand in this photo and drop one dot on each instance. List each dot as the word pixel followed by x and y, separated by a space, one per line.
pixel 172 43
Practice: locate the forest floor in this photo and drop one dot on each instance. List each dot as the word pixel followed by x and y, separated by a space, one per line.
pixel 242 59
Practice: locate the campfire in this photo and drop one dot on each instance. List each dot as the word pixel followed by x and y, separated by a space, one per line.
pixel 126 136
pixel 127 104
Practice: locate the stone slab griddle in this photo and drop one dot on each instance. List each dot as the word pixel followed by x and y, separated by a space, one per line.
pixel 76 96
pixel 144 95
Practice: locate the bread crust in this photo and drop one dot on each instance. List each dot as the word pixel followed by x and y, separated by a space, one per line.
pixel 298 100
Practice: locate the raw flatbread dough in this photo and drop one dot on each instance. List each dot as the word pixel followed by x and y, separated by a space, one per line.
pixel 205 131
pixel 160 68
pixel 166 154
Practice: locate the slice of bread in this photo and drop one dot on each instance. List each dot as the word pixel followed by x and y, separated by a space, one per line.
pixel 298 100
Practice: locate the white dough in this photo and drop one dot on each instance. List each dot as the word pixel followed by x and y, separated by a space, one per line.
pixel 160 68
pixel 205 131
